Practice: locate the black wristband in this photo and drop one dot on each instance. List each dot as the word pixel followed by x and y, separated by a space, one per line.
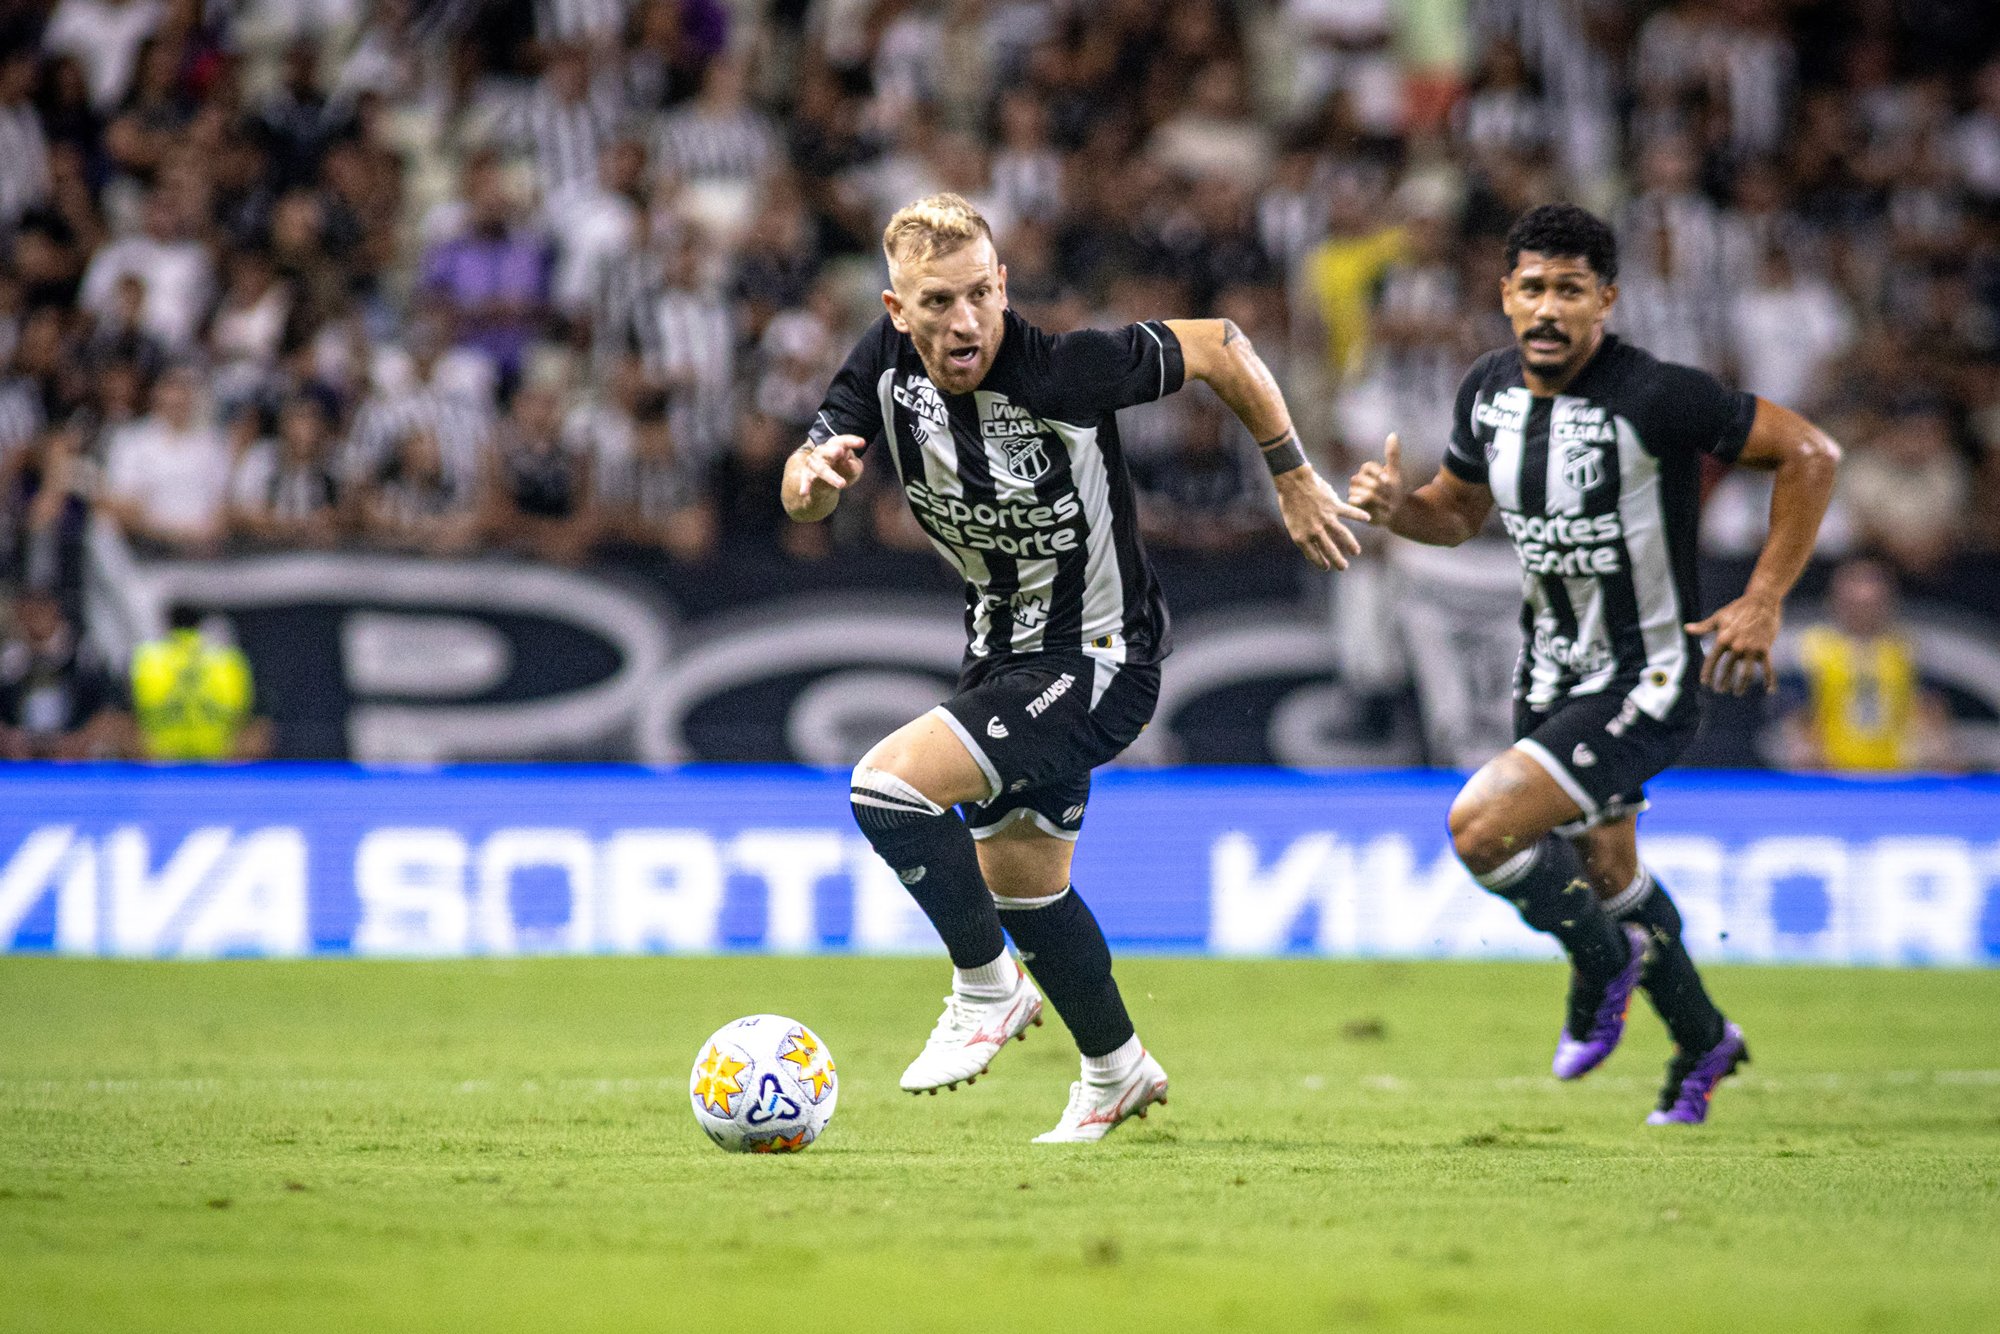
pixel 1283 454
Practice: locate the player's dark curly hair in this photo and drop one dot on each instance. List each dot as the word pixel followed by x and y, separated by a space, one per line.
pixel 1568 231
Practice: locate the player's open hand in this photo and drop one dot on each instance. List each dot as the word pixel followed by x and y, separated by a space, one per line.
pixel 1313 513
pixel 1377 488
pixel 834 463
pixel 1740 657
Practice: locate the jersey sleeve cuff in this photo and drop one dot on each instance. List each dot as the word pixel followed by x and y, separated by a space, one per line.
pixel 1463 470
pixel 1173 361
pixel 824 429
pixel 1737 433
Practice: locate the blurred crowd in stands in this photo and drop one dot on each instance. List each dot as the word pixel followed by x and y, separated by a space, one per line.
pixel 550 276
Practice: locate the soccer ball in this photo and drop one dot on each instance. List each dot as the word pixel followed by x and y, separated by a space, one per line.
pixel 765 1084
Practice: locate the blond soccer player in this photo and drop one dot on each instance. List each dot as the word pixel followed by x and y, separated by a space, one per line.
pixel 1005 442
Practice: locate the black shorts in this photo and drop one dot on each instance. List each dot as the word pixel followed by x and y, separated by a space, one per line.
pixel 1037 724
pixel 1602 748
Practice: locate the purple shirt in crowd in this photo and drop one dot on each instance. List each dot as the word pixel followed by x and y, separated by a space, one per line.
pixel 472 272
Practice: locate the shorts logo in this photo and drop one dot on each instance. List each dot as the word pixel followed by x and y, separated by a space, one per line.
pixel 911 876
pixel 1049 696
pixel 1583 756
pixel 996 729
pixel 1018 785
pixel 1073 814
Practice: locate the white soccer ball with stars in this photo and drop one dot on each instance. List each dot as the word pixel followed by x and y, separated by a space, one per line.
pixel 765 1084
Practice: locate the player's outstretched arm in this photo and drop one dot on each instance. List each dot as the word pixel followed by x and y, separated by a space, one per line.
pixel 1444 512
pixel 1219 354
pixel 815 475
pixel 1804 459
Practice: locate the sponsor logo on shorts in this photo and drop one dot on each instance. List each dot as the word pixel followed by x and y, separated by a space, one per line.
pixel 996 729
pixel 1583 756
pixel 911 876
pixel 1049 696
pixel 1073 814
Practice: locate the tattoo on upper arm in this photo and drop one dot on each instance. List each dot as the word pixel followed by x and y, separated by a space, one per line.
pixel 1231 334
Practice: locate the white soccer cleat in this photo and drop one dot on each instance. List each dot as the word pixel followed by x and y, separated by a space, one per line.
pixel 1096 1109
pixel 969 1034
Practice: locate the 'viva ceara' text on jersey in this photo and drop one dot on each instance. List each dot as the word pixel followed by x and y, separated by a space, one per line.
pixel 1021 483
pixel 1599 488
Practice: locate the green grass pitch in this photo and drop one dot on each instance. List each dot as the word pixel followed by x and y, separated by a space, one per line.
pixel 502 1146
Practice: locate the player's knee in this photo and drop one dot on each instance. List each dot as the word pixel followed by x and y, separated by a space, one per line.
pixel 1479 837
pixel 884 801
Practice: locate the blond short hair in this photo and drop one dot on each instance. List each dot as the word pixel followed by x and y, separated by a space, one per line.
pixel 933 226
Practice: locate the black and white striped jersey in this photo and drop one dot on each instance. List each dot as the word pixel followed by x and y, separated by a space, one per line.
pixel 1021 484
pixel 1599 488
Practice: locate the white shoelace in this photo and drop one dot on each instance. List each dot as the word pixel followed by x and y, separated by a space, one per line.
pixel 957 1022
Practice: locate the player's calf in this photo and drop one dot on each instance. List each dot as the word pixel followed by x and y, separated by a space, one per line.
pixel 1670 980
pixel 931 852
pixel 1546 884
pixel 1544 878
pixel 1063 946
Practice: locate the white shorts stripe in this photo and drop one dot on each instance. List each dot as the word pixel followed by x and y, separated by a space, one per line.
pixel 1033 817
pixel 1539 753
pixel 972 747
pixel 1006 904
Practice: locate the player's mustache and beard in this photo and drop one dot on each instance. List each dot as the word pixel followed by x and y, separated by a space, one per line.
pixel 1545 331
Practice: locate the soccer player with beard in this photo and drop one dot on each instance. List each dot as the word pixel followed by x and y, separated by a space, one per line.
pixel 1592 451
pixel 1005 442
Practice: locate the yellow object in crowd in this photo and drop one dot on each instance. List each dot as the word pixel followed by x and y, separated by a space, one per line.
pixel 1863 698
pixel 192 697
pixel 1343 274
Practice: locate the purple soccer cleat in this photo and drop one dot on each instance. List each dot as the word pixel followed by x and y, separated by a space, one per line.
pixel 1691 1080
pixel 1577 1057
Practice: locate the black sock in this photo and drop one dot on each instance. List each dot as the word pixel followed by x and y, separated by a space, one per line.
pixel 931 852
pixel 1064 948
pixel 1547 884
pixel 1670 980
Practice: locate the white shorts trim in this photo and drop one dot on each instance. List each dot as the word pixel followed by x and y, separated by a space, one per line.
pixel 972 747
pixel 1610 813
pixel 1108 662
pixel 1007 904
pixel 1565 780
pixel 1040 821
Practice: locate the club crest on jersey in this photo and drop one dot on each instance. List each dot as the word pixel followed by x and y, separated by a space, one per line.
pixel 1583 467
pixel 1026 458
pixel 1019 436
